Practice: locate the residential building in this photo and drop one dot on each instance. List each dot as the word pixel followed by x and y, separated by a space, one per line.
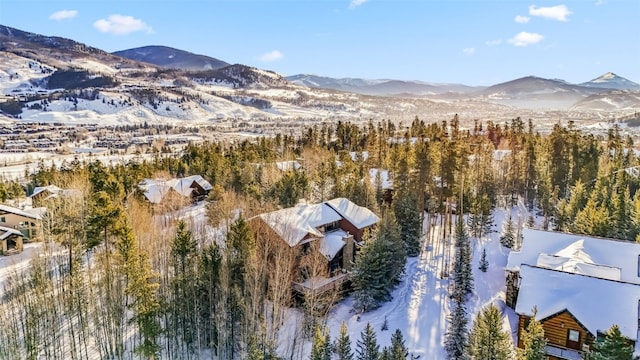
pixel 334 227
pixel 194 188
pixel 580 287
pixel 28 222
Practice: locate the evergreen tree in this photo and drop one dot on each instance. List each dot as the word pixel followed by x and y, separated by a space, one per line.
pixel 612 346
pixel 484 264
pixel 487 340
pixel 398 349
pixel 378 266
pixel 367 347
pixel 508 237
pixel 462 272
pixel 405 206
pixel 385 354
pixel 321 346
pixel 343 344
pixel 533 340
pixel 456 337
pixel 141 287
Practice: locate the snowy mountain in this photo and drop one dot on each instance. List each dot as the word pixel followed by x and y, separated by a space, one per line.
pixel 536 92
pixel 53 79
pixel 379 87
pixel 171 58
pixel 612 81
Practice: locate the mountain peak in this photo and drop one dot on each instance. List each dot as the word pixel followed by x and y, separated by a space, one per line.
pixel 610 80
pixel 168 57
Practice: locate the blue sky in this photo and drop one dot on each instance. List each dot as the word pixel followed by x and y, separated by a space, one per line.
pixel 476 42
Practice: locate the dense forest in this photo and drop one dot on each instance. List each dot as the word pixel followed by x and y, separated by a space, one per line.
pixel 121 279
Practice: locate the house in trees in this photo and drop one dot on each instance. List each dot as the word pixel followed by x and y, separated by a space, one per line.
pixel 42 193
pixel 193 188
pixel 333 228
pixel 27 222
pixel 580 285
pixel 10 241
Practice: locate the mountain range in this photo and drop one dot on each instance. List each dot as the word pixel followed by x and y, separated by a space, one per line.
pixel 162 83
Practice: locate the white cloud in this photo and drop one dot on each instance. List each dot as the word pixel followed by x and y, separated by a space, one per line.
pixel 469 51
pixel 63 14
pixel 121 25
pixel 521 19
pixel 558 12
pixel 356 3
pixel 525 39
pixel 271 56
pixel 599 2
pixel 493 42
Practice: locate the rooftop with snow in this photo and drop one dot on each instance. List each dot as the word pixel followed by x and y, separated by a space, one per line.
pixel 597 257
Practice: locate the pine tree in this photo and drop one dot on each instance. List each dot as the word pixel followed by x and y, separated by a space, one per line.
pixel 385 354
pixel 378 266
pixel 367 347
pixel 484 264
pixel 405 206
pixel 343 344
pixel 457 336
pixel 398 349
pixel 321 346
pixel 533 340
pixel 508 237
pixel 462 272
pixel 487 340
pixel 613 346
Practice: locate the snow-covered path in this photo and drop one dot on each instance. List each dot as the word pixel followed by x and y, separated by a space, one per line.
pixel 420 304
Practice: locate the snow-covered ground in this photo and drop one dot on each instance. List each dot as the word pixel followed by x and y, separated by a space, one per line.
pixel 421 303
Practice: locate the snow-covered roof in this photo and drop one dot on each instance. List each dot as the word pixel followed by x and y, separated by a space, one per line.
pixel 156 189
pixel 386 183
pixel 50 188
pixel 294 223
pixel 598 257
pixel 332 243
pixel 596 303
pixel 358 216
pixel 200 180
pixel 24 213
pixel 5 232
pixel 288 165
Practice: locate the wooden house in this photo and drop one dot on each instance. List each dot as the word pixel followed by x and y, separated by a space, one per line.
pixel 580 286
pixel 29 223
pixel 193 188
pixel 333 228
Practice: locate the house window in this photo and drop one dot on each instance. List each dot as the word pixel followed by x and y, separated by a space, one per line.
pixel 4 220
pixel 573 339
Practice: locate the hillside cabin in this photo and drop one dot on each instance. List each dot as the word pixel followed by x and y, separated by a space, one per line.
pixel 193 188
pixel 29 223
pixel 333 228
pixel 580 286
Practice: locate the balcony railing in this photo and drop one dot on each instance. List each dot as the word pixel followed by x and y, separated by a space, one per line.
pixel 562 353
